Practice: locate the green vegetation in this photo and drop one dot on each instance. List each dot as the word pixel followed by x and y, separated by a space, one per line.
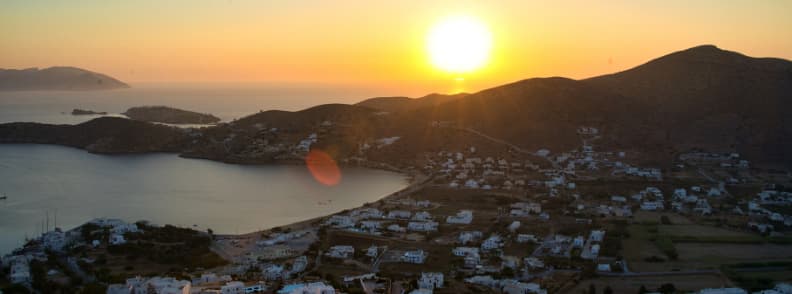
pixel 169 245
pixel 612 244
pixel 665 244
pixel 756 280
pixel 717 239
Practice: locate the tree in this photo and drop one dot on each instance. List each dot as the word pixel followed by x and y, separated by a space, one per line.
pixel 592 289
pixel 667 288
pixel 607 290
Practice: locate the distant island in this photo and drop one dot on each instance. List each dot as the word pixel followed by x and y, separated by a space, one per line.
pixel 56 78
pixel 78 111
pixel 169 115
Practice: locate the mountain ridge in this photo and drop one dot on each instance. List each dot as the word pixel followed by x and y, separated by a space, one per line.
pixel 702 98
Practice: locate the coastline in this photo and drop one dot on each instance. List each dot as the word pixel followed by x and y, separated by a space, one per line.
pixel 409 180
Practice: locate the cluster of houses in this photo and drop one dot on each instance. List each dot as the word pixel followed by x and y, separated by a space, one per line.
pixel 766 220
pixel 57 240
pixel 117 230
pixel 373 221
pixel 210 283
pixel 722 160
pixel 472 172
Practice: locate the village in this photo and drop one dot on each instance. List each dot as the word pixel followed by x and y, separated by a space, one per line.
pixel 473 221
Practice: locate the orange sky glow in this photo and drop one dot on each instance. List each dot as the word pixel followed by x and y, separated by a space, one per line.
pixel 373 42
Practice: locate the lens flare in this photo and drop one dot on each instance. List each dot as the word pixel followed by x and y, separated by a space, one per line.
pixel 323 168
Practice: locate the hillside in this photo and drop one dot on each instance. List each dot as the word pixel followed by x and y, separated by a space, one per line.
pixel 100 135
pixel 56 78
pixel 701 98
pixel 705 97
pixel 397 104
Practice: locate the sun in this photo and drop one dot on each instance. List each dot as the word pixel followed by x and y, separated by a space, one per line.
pixel 459 44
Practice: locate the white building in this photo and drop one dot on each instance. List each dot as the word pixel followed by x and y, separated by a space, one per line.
pixel 603 267
pixel 234 287
pixel 117 239
pixel 465 237
pixel 597 235
pixel 341 221
pixel 472 260
pixel 299 264
pixel 372 251
pixel 422 216
pixel 493 242
pixel 341 251
pixel 370 225
pixel 578 242
pixel 462 217
pixel 652 205
pixel 595 249
pixel 414 256
pixel 396 228
pixel 464 251
pixel 403 214
pixel 20 270
pixel 422 226
pixel 430 281
pixel 524 238
pixel 159 285
pixel 273 272
pixel 533 262
pixel 514 226
pixel 309 288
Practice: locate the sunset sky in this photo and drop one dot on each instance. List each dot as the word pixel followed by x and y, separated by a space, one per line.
pixel 372 42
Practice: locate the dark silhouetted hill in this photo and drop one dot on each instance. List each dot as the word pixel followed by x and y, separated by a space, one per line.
pixel 397 104
pixel 56 78
pixel 169 115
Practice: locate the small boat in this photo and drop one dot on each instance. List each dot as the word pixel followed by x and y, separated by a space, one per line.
pixel 4 197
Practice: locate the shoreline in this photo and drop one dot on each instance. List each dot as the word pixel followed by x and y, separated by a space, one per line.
pixel 413 180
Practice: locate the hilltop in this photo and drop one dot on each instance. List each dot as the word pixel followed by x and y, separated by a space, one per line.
pixel 56 78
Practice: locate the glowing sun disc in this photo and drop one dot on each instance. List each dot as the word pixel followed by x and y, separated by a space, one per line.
pixel 459 44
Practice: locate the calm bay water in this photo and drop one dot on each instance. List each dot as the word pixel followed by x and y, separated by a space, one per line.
pixel 225 101
pixel 166 189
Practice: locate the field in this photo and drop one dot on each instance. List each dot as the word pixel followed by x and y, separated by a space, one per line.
pixel 692 246
pixel 633 284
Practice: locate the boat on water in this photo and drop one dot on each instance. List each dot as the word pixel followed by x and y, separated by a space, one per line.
pixel 3 197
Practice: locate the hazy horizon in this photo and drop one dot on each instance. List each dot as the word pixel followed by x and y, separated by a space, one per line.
pixel 376 44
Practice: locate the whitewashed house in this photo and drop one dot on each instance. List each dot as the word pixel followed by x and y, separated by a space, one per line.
pixel 430 280
pixel 597 235
pixel 341 251
pixel 533 262
pixel 402 214
pixel 414 256
pixel 524 238
pixel 422 226
pixel 493 242
pixel 462 217
pixel 464 251
pixel 422 216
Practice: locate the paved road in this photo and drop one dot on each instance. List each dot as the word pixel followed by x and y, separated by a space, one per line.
pixel 510 145
pixel 653 274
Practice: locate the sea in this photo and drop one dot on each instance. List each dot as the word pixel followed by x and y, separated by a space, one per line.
pixel 227 101
pixel 48 186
